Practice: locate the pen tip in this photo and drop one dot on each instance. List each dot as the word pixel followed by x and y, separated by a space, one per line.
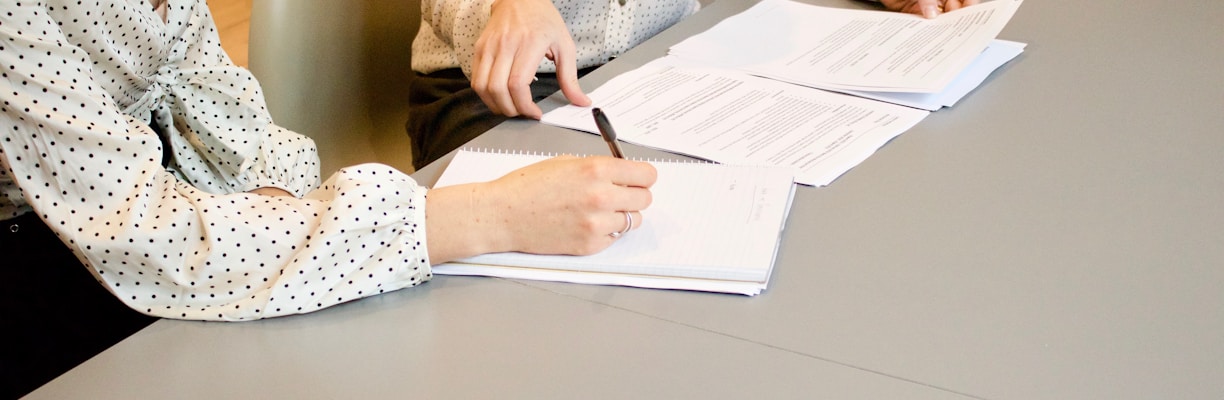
pixel 596 111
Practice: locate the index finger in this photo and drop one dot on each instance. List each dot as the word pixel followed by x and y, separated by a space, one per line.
pixel 565 58
pixel 958 4
pixel 930 8
pixel 632 173
pixel 522 73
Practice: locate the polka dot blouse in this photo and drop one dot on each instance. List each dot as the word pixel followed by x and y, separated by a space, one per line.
pixel 602 29
pixel 135 140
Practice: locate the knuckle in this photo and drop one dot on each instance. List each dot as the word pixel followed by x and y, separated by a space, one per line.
pixel 593 168
pixel 587 226
pixel 598 201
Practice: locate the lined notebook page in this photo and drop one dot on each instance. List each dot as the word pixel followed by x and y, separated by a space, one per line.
pixel 707 222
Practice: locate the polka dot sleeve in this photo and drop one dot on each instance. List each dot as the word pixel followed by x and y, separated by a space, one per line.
pixel 602 29
pixel 164 246
pixel 449 30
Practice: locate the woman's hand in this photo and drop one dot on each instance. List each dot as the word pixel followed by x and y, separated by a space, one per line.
pixel 927 8
pixel 518 35
pixel 563 205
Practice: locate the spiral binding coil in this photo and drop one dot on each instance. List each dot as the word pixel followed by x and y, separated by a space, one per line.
pixel 554 154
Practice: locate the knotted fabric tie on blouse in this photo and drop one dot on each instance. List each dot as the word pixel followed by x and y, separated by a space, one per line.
pixel 217 112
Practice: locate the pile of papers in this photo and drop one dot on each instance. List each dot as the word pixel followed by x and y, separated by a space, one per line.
pixel 829 89
pixel 853 50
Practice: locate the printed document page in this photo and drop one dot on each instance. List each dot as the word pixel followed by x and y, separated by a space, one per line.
pixel 732 117
pixel 834 48
pixel 998 53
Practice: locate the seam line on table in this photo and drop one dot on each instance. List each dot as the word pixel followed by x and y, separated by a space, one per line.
pixel 799 353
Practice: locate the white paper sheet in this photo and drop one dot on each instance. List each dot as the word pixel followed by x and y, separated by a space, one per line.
pixel 998 53
pixel 735 118
pixel 845 49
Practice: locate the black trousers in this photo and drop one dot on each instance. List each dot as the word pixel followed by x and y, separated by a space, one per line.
pixel 55 314
pixel 444 112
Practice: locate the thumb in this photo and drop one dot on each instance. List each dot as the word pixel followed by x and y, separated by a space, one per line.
pixel 930 8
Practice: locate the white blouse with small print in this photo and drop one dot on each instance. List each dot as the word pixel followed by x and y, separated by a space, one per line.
pixel 174 234
pixel 601 29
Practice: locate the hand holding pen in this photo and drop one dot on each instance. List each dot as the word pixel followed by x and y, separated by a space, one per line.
pixel 609 136
pixel 605 130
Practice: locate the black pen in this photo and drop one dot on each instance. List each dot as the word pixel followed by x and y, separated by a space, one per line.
pixel 605 130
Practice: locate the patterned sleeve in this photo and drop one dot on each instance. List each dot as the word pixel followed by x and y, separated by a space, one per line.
pixel 212 112
pixel 165 247
pixel 601 29
pixel 449 30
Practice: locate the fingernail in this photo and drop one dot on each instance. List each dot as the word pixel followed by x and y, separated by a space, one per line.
pixel 930 11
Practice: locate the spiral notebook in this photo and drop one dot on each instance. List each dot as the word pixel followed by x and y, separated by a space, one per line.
pixel 711 227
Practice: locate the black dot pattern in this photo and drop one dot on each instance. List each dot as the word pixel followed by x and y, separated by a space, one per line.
pixel 81 81
pixel 602 29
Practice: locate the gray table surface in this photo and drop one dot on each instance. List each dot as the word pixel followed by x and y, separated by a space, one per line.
pixel 1058 234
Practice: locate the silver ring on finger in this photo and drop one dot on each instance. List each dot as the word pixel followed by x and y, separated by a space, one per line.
pixel 628 226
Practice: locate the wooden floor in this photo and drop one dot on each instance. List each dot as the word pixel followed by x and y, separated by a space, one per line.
pixel 233 19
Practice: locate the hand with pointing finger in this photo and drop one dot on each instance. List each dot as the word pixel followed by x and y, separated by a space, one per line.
pixel 520 34
pixel 927 8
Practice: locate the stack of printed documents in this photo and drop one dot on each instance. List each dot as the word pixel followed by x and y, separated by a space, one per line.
pixel 862 52
pixel 829 87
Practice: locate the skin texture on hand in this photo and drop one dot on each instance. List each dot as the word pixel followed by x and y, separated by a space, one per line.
pixel 927 8
pixel 563 205
pixel 518 36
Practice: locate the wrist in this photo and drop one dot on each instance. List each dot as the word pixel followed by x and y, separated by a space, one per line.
pixel 461 222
